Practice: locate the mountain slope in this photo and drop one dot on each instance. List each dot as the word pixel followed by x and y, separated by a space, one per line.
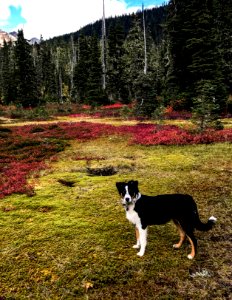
pixel 4 36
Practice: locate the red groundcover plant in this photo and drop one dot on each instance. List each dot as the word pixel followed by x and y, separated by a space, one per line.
pixel 113 106
pixel 25 150
pixel 174 135
pixel 14 178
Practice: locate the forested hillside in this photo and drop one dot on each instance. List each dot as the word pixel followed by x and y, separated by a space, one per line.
pixel 179 55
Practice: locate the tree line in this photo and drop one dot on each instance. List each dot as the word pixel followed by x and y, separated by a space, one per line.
pixel 188 56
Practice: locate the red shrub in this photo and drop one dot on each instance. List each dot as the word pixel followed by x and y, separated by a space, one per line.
pixel 14 177
pixel 113 106
pixel 173 135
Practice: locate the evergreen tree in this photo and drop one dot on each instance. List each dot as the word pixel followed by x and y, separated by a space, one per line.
pixel 164 70
pixel 82 69
pixel 205 106
pixel 133 58
pixel 49 90
pixel 95 93
pixel 27 91
pixel 8 74
pixel 115 84
pixel 61 61
pixel 37 62
pixel 176 20
pixel 146 95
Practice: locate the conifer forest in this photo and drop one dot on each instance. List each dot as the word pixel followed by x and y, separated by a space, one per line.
pixel 177 55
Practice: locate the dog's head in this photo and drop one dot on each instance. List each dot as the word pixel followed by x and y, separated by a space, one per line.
pixel 128 191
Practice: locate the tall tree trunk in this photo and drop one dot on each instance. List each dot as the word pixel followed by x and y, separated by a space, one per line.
pixel 145 42
pixel 103 49
pixel 72 64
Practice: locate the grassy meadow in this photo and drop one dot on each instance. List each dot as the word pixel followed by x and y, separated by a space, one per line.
pixel 71 240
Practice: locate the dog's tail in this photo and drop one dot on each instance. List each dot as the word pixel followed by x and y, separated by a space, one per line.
pixel 204 226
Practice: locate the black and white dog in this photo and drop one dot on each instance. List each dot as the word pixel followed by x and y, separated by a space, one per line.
pixel 144 210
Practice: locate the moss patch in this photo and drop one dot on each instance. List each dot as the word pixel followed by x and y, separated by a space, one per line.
pixel 75 243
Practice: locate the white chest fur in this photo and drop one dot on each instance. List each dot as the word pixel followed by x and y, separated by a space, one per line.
pixel 132 216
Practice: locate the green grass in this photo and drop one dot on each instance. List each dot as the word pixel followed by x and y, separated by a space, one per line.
pixel 75 242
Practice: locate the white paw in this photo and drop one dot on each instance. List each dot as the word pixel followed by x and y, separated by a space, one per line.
pixel 140 254
pixel 176 246
pixel 190 256
pixel 136 246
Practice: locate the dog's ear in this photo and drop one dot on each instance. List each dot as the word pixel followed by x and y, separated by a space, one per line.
pixel 134 186
pixel 120 186
pixel 134 183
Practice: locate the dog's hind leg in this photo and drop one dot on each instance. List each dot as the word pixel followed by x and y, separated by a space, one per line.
pixel 182 235
pixel 137 245
pixel 193 243
pixel 143 241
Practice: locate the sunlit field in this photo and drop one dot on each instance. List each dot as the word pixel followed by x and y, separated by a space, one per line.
pixel 63 231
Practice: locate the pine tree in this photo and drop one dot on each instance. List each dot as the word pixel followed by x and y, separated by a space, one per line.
pixel 37 62
pixel 146 95
pixel 205 106
pixel 8 74
pixel 50 86
pixel 82 69
pixel 27 91
pixel 95 93
pixel 176 20
pixel 133 58
pixel 115 84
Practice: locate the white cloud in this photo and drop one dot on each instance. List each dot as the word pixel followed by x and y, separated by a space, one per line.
pixel 4 11
pixel 4 14
pixel 56 17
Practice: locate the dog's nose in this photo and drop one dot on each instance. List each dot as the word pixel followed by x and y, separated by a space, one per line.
pixel 127 199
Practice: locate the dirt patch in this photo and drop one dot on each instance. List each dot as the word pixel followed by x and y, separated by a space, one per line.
pixel 104 171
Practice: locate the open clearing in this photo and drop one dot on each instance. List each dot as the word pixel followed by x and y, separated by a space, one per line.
pixel 72 241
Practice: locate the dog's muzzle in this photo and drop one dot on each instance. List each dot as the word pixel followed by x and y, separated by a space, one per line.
pixel 128 200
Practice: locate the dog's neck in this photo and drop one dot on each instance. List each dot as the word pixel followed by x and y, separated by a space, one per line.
pixel 129 207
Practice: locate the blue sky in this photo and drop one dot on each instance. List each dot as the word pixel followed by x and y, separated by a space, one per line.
pixel 56 17
pixel 15 17
pixel 146 2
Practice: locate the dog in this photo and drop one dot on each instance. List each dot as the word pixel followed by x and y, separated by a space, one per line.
pixel 142 211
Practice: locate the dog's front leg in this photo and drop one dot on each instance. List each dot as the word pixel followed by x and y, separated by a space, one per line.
pixel 143 240
pixel 137 245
